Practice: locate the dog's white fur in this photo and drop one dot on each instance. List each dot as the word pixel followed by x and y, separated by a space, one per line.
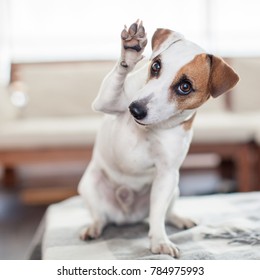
pixel 134 171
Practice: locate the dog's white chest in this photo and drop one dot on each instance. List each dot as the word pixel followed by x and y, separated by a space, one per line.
pixel 127 150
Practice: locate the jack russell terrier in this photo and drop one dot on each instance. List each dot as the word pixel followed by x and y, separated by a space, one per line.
pixel 147 130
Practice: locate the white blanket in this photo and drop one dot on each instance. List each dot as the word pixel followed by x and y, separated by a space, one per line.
pixel 229 228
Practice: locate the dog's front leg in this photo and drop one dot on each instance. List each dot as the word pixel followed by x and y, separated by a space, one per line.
pixel 112 97
pixel 162 193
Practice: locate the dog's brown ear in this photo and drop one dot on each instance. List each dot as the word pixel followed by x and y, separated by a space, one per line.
pixel 159 36
pixel 222 77
pixel 162 39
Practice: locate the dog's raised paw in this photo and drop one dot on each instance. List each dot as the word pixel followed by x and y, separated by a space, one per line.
pixel 134 38
pixel 133 43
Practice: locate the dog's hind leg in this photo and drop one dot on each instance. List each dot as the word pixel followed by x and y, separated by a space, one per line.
pixel 93 230
pixel 112 98
pixel 180 222
pixel 177 220
pixel 89 190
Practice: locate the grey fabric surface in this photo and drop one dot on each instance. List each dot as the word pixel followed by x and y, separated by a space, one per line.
pixel 229 226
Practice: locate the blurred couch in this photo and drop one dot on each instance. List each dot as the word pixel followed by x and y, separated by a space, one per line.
pixel 230 125
pixel 46 116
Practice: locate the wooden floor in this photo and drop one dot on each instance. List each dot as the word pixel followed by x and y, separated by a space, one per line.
pixel 19 217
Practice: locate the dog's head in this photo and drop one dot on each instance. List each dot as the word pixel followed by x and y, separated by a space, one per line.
pixel 182 76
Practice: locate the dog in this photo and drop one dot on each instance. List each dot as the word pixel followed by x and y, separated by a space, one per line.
pixel 146 132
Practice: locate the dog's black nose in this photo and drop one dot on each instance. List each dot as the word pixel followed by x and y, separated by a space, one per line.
pixel 138 110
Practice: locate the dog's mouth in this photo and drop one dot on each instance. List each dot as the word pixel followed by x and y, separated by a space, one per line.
pixel 142 124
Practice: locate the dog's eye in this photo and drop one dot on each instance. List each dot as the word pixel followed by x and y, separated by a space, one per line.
pixel 184 88
pixel 155 68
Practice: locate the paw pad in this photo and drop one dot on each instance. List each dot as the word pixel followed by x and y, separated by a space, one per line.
pixel 134 38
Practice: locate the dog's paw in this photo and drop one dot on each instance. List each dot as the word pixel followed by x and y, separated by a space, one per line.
pixel 92 231
pixel 133 43
pixel 165 247
pixel 181 222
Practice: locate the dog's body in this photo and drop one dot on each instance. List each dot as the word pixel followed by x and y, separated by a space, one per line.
pixel 134 171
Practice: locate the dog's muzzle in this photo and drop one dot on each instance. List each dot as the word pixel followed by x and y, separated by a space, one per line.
pixel 138 110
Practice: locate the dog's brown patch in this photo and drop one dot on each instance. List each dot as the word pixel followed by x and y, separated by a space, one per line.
pixel 188 124
pixel 223 77
pixel 197 72
pixel 159 36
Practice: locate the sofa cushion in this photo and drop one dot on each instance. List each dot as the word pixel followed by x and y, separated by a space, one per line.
pixel 225 127
pixel 7 110
pixel 62 89
pixel 245 96
pixel 48 132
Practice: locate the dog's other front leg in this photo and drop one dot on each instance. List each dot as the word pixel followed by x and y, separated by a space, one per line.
pixel 112 97
pixel 162 193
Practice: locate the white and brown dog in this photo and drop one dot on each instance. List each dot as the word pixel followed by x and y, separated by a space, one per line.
pixel 146 133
